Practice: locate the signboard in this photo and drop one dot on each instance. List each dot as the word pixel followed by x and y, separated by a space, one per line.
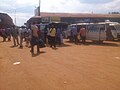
pixel 55 19
pixel 45 19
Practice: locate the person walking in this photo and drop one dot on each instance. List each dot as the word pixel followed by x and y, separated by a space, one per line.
pixel 22 31
pixel 45 34
pixel 28 37
pixel 109 33
pixel 74 34
pixel 58 36
pixel 14 32
pixel 34 38
pixel 52 36
pixel 4 35
pixel 48 41
pixel 82 33
pixel 8 33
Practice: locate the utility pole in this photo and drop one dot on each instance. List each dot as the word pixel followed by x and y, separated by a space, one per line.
pixel 15 17
pixel 39 6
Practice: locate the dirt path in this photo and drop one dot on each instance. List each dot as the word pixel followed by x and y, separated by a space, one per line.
pixel 71 67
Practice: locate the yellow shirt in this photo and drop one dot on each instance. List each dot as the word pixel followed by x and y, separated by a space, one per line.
pixel 53 32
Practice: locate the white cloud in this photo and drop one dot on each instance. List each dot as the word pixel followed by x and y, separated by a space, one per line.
pixel 115 5
pixel 26 2
pixel 95 1
pixel 21 18
pixel 25 8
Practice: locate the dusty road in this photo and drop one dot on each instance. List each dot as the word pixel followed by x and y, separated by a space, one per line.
pixel 71 67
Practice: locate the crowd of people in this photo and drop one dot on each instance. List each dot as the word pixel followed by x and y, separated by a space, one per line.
pixel 5 33
pixel 33 36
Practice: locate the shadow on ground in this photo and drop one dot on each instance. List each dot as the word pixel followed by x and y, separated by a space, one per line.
pixel 105 43
pixel 13 46
pixel 63 45
pixel 37 54
pixel 112 44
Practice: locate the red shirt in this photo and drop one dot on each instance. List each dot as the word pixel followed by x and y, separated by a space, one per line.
pixel 82 32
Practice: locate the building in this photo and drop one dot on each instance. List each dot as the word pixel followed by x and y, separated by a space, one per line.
pixel 5 21
pixel 73 18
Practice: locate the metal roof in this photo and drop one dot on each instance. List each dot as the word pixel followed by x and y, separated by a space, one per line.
pixel 79 15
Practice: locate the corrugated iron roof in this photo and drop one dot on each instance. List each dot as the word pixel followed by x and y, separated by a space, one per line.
pixel 80 15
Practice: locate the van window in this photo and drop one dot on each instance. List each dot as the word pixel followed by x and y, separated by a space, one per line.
pixel 102 27
pixel 117 27
pixel 93 28
pixel 112 28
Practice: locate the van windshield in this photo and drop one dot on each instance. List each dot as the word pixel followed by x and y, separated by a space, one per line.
pixel 102 27
pixel 117 27
pixel 112 28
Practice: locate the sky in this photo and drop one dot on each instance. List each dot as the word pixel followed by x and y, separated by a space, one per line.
pixel 22 10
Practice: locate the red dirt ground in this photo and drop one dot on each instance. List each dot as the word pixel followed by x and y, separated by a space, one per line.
pixel 70 67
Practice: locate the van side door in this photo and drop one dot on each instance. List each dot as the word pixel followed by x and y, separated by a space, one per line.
pixel 92 32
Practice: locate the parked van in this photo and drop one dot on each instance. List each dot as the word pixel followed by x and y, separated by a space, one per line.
pixel 95 31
